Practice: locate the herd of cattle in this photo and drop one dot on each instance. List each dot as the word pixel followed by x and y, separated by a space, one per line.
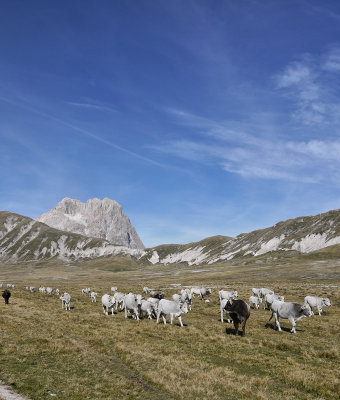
pixel 156 306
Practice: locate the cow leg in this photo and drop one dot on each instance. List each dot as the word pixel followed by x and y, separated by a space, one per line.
pixel 319 310
pixel 221 314
pixel 158 315
pixel 125 309
pixel 180 320
pixel 136 312
pixel 292 321
pixel 164 319
pixel 244 328
pixel 277 322
pixel 112 310
pixel 236 327
pixel 171 318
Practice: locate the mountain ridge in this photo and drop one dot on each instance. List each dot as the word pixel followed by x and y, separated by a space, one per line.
pixel 301 235
pixel 22 238
pixel 25 239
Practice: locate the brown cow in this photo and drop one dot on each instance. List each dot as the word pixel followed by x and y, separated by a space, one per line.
pixel 239 312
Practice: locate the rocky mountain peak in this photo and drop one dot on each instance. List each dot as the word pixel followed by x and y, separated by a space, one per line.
pixel 102 219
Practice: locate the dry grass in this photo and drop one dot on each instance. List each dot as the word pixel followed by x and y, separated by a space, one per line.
pixel 83 354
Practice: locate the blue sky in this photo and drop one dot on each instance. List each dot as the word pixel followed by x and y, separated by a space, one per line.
pixel 198 117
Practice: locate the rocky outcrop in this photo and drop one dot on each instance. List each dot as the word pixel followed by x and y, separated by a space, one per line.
pixel 97 218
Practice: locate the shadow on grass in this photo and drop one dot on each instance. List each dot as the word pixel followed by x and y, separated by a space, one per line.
pixel 285 329
pixel 231 331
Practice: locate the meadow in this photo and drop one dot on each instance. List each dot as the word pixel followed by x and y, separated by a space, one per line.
pixel 83 354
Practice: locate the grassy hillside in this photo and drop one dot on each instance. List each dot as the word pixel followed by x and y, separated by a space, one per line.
pixel 83 354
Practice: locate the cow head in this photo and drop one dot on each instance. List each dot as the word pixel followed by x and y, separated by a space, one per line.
pixel 139 299
pixel 184 307
pixel 326 302
pixel 235 294
pixel 228 305
pixel 306 310
pixel 281 298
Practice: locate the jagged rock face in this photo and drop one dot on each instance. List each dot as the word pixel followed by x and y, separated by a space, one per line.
pixel 97 218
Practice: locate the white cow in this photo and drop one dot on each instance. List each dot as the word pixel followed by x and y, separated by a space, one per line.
pixel 317 302
pixel 264 291
pixel 27 288
pixel 42 289
pixel 9 285
pixel 256 292
pixel 66 301
pixel 149 308
pixel 223 303
pixel 184 297
pixel 172 308
pixel 270 298
pixel 94 297
pixel 224 294
pixel 291 311
pixel 32 289
pixel 114 289
pixel 49 291
pixel 146 289
pixel 107 303
pixel 202 292
pixel 119 299
pixel 154 301
pixel 57 291
pixel 255 301
pixel 133 303
pixel 86 291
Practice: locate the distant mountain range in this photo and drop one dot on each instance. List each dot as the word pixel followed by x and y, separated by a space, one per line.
pixel 298 235
pixel 24 239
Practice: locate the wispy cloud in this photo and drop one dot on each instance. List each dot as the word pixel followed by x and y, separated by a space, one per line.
pixel 331 60
pixel 93 105
pixel 36 110
pixel 251 156
pixel 308 83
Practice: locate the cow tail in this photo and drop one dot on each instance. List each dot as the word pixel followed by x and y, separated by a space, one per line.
pixel 271 316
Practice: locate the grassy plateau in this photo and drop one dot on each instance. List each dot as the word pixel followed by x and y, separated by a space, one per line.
pixel 83 354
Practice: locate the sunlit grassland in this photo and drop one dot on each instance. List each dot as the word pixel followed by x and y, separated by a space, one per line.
pixel 83 354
